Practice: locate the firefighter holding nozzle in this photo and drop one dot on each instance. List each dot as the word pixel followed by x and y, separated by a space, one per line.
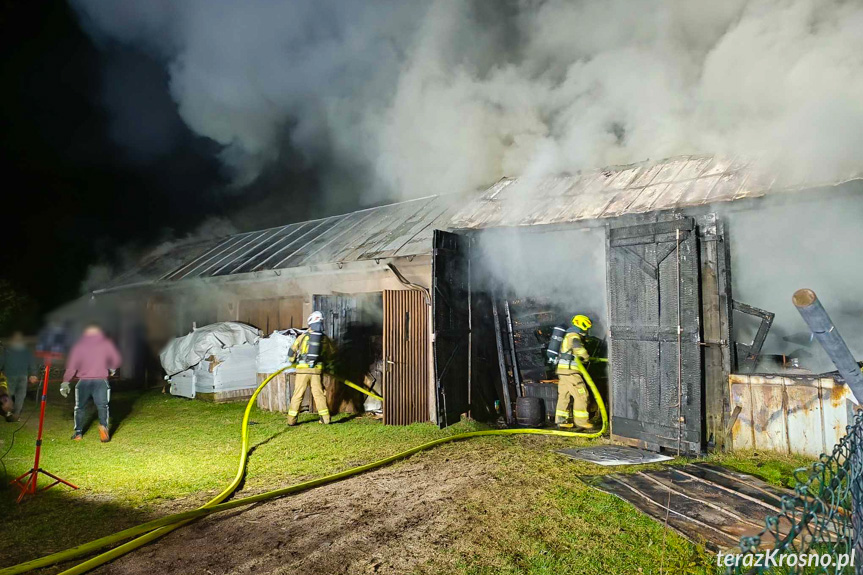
pixel 306 354
pixel 565 346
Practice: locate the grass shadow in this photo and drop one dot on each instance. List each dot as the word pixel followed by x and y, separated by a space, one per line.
pixel 55 519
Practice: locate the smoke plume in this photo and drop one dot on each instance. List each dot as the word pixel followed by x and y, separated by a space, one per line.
pixel 793 245
pixel 418 97
pixel 115 260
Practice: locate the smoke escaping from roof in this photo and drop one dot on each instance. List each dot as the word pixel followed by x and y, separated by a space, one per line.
pixel 121 259
pixel 420 97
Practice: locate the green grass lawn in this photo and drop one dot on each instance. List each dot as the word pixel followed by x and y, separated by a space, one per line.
pixel 170 454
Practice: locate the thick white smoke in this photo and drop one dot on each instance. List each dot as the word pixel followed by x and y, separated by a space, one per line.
pixel 428 97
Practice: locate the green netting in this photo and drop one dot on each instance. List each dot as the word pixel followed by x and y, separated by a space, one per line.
pixel 816 524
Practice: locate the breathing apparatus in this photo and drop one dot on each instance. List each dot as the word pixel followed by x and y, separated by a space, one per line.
pixel 315 339
pixel 553 351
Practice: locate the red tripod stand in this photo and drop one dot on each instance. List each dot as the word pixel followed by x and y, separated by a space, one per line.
pixel 27 483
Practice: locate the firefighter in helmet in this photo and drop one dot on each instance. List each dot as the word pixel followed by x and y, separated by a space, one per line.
pixel 306 354
pixel 571 385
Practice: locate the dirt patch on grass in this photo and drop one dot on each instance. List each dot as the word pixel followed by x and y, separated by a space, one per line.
pixel 391 520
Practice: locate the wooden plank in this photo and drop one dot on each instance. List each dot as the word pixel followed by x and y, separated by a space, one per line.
pixel 716 516
pixel 263 396
pixel 716 402
pixel 281 400
pixel 692 529
pixel 747 511
pixel 270 314
pixel 703 502
pixel 740 483
pixel 226 396
pixel 275 397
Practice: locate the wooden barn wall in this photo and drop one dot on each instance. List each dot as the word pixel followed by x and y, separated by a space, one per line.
pixel 276 396
pixel 406 357
pixel 272 313
pixel 278 301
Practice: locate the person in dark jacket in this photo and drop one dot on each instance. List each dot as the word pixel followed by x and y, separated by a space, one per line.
pixel 20 369
pixel 93 359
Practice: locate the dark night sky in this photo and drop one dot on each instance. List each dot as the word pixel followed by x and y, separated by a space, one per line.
pixel 72 194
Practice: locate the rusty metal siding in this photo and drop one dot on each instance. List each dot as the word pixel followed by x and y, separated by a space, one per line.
pixel 804 414
pixel 406 360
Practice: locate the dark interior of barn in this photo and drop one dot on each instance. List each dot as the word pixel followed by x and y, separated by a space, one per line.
pixel 523 284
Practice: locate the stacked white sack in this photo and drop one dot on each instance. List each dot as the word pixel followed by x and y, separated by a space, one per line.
pixel 273 351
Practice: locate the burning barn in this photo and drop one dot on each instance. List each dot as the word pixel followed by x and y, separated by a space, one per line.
pixel 686 266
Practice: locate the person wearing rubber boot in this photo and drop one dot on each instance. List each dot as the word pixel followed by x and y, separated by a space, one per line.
pixel 571 387
pixel 93 358
pixel 306 354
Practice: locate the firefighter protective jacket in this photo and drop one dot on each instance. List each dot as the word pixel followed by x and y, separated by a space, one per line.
pixel 572 347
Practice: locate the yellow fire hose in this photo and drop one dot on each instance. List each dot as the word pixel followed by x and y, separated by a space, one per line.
pixel 362 389
pixel 152 530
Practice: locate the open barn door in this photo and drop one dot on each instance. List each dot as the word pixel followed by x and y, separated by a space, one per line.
pixel 451 325
pixel 654 313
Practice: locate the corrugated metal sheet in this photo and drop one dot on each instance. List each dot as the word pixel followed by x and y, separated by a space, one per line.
pixel 401 229
pixel 161 262
pixel 405 228
pixel 406 361
pixel 644 187
pixel 804 414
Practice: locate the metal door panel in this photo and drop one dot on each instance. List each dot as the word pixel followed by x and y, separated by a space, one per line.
pixel 405 352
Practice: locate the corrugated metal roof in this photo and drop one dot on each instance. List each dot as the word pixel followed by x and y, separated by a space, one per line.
pixel 164 260
pixel 405 228
pixel 643 187
pixel 394 230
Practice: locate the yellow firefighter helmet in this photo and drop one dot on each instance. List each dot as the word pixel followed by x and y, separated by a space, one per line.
pixel 582 322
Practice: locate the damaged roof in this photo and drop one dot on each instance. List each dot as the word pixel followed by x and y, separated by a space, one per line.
pixel 405 228
pixel 394 230
pixel 678 182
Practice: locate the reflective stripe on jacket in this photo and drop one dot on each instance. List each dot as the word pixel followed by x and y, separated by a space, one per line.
pixel 572 347
pixel 300 348
pixel 298 353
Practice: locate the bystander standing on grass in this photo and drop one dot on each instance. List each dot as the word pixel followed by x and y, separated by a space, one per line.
pixel 20 370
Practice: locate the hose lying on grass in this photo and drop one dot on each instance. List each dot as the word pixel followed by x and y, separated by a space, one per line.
pixel 152 530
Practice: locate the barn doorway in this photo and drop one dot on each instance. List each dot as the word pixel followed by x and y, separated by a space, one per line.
pixel 497 295
pixel 657 287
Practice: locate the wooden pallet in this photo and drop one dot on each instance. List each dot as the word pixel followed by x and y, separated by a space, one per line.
pixel 277 395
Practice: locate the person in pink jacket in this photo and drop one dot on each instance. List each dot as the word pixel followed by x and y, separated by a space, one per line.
pixel 93 359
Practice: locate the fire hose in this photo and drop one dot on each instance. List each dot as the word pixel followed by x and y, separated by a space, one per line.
pixel 152 530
